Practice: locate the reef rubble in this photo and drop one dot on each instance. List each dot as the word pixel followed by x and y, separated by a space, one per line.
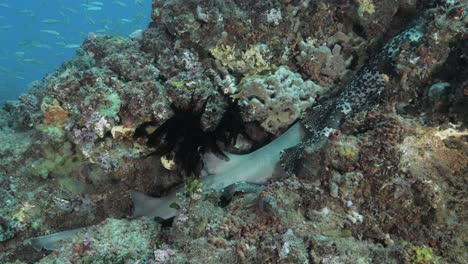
pixel 381 176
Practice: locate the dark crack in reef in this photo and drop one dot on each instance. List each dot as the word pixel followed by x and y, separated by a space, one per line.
pixel 381 176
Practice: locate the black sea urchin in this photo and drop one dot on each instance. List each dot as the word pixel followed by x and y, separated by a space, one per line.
pixel 182 138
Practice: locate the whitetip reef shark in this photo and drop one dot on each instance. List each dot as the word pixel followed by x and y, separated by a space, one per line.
pixel 256 168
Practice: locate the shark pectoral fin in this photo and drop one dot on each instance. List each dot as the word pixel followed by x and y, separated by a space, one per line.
pixel 143 205
pixel 212 164
pixel 49 242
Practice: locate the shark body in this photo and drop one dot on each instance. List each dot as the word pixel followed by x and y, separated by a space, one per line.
pixel 256 167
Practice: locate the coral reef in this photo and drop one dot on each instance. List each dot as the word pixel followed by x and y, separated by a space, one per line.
pixel 275 101
pixel 112 241
pixel 376 77
pixel 380 177
pixel 322 63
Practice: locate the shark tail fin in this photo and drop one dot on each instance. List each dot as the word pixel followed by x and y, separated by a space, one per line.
pixel 49 242
pixel 143 203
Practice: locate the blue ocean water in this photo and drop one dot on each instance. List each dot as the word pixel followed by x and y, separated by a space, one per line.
pixel 38 35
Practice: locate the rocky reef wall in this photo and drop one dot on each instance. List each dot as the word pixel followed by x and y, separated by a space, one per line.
pixel 387 183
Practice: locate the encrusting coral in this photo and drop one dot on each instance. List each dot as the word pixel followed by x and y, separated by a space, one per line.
pixel 275 101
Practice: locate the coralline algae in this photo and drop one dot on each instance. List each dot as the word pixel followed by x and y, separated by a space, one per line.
pixel 379 177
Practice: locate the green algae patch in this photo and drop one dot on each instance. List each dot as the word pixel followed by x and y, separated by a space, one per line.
pixel 113 241
pixel 71 184
pixel 423 255
pixel 344 152
pixel 366 7
pixel 112 106
pixel 57 163
pixel 348 152
pixel 176 83
pixel 45 166
pixel 29 213
pixel 56 134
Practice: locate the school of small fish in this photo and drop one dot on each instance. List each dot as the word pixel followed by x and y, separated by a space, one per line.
pixel 56 31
